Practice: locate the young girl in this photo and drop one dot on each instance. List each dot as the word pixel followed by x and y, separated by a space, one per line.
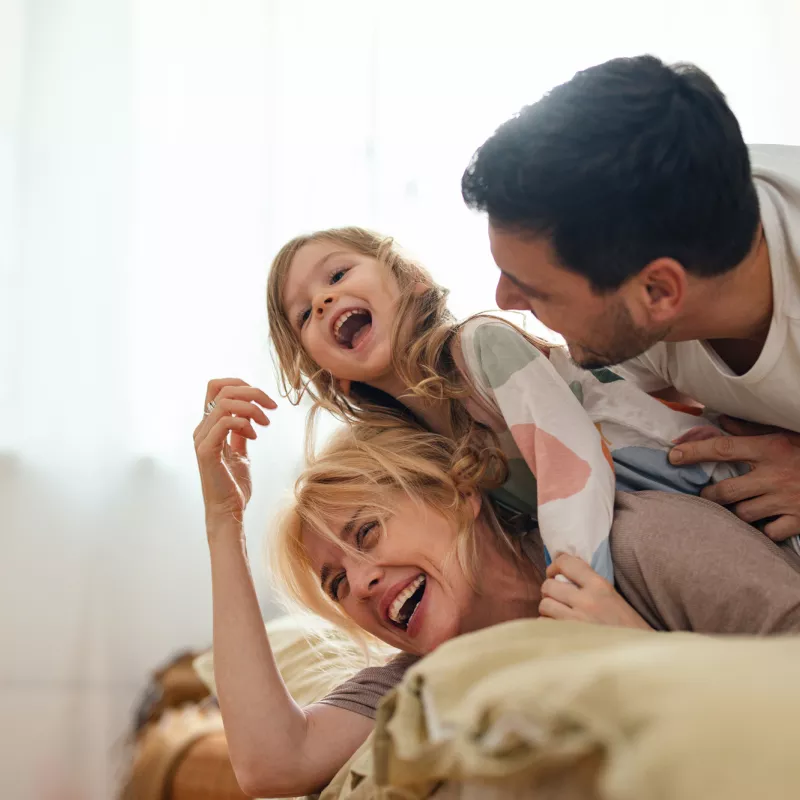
pixel 392 536
pixel 363 329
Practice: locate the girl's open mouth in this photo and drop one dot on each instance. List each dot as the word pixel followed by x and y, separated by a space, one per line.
pixel 351 327
pixel 406 603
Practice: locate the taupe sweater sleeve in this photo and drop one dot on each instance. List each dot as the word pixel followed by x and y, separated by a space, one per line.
pixel 362 693
pixel 687 564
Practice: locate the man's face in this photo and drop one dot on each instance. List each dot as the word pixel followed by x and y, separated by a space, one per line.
pixel 599 328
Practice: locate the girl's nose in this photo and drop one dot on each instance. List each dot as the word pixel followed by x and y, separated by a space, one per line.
pixel 320 304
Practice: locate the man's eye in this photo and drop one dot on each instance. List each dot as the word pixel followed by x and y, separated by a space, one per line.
pixel 363 534
pixel 334 587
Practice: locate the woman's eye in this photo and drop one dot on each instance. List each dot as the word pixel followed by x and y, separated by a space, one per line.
pixel 338 275
pixel 334 587
pixel 363 534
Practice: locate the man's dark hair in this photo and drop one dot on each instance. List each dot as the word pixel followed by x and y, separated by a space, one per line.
pixel 628 161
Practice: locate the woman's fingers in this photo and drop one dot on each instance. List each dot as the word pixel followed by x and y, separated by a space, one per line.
pixel 210 445
pixel 239 399
pixel 238 389
pixel 227 407
pixel 216 385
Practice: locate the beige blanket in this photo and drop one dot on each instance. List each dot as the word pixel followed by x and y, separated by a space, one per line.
pixel 562 710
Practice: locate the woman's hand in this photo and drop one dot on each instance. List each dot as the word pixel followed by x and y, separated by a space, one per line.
pixel 586 598
pixel 220 442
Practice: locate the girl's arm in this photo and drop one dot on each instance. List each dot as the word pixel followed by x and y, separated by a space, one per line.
pixel 276 748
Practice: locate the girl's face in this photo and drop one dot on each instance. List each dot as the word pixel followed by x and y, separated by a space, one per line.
pixel 404 584
pixel 342 306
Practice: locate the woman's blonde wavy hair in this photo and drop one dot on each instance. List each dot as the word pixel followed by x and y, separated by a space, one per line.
pixel 365 469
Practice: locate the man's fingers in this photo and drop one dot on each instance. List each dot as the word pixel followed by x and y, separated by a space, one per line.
pixel 768 505
pixel 782 528
pixel 734 490
pixel 723 448
pixel 740 427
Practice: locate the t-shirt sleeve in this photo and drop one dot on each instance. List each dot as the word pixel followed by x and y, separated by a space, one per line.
pixel 554 434
pixel 362 693
pixel 687 564
pixel 648 371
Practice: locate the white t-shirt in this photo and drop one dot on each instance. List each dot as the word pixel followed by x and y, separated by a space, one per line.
pixel 770 391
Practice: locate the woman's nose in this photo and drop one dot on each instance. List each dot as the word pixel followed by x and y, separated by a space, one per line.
pixel 321 302
pixel 365 579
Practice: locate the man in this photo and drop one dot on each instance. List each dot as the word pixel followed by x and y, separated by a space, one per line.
pixel 627 213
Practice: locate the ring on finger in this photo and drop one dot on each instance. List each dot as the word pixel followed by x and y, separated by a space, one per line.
pixel 210 406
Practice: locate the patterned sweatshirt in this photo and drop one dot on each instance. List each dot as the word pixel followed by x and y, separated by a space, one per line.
pixel 573 436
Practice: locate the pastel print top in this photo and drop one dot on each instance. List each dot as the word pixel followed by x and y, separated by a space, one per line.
pixel 572 436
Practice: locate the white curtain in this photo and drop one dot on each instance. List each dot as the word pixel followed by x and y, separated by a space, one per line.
pixel 153 156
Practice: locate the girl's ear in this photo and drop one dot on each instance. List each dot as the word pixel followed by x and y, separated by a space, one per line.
pixel 420 288
pixel 344 386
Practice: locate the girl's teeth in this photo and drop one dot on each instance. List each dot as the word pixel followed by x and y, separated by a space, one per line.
pixel 342 320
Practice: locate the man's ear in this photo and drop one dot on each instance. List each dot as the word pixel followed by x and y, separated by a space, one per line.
pixel 659 291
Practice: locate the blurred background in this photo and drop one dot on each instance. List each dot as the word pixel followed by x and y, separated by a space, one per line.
pixel 154 154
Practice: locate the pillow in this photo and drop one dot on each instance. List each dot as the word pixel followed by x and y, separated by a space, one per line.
pixel 313 657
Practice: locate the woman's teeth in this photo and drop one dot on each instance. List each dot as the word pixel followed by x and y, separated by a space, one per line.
pixel 397 613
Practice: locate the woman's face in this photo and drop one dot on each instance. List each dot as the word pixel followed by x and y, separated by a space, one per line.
pixel 341 306
pixel 404 584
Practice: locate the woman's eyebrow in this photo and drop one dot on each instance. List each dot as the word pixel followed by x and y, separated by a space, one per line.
pixel 347 530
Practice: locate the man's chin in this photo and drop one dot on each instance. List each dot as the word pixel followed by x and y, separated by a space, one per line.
pixel 588 359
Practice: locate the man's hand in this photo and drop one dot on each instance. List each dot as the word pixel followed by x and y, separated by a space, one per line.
pixel 770 489
pixel 586 598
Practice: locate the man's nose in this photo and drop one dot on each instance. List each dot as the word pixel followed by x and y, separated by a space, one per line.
pixel 509 298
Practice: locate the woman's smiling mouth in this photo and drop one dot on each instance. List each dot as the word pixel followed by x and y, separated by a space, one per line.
pixel 401 610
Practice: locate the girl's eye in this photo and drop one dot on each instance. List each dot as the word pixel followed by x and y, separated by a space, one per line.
pixel 334 587
pixel 363 535
pixel 338 275
pixel 304 315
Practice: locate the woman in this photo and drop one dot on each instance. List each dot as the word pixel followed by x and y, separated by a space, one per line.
pixel 393 537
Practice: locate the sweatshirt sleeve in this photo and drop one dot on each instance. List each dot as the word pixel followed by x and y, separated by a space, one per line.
pixel 560 444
